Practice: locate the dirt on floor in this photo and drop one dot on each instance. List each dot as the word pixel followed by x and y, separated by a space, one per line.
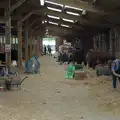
pixel 49 96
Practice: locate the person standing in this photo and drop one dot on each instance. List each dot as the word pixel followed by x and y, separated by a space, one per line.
pixel 60 58
pixel 49 49
pixel 115 69
pixel 45 50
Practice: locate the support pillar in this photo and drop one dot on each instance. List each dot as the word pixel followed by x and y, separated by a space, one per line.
pixel 100 43
pixel 113 46
pixel 19 44
pixel 41 45
pixel 31 45
pixel 112 43
pixel 38 46
pixel 26 40
pixel 107 42
pixel 8 37
pixel 34 45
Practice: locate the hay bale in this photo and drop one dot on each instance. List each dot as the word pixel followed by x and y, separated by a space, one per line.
pixel 80 75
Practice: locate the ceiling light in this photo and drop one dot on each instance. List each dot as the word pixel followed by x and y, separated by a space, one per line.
pixel 73 8
pixel 46 30
pixel 65 26
pixel 43 22
pixel 54 17
pixel 54 9
pixel 53 23
pixel 72 13
pixel 54 3
pixel 42 2
pixel 84 12
pixel 67 20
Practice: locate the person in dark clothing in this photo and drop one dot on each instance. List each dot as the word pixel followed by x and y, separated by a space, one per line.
pixel 45 49
pixel 60 58
pixel 65 57
pixel 69 58
pixel 115 69
pixel 49 49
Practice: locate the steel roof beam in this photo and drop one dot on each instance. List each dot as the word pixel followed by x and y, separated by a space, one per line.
pixel 79 4
pixel 15 6
pixel 81 19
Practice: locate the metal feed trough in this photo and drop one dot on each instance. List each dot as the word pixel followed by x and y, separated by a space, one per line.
pixel 9 80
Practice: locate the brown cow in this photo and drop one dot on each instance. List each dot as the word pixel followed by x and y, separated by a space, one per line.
pixel 93 58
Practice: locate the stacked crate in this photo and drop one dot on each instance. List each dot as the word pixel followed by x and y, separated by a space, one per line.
pixel 80 75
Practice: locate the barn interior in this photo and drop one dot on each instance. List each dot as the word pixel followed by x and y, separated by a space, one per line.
pixel 91 28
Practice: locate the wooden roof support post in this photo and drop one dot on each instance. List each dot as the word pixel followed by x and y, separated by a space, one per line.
pixel 8 12
pixel 31 43
pixel 15 6
pixel 19 25
pixel 26 39
pixel 99 39
pixel 38 46
pixel 35 44
pixel 34 41
pixel 112 39
pixel 8 38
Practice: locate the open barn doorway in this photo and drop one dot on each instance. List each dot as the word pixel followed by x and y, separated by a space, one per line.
pixel 51 41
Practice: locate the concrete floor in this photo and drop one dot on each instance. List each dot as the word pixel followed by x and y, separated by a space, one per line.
pixel 51 97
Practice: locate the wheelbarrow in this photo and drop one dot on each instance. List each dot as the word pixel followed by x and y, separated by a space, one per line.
pixel 14 81
pixel 9 79
pixel 2 84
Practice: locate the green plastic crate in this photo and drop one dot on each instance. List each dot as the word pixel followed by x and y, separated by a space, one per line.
pixel 79 67
pixel 70 72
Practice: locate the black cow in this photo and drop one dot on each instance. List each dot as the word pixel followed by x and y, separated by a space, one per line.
pixel 78 56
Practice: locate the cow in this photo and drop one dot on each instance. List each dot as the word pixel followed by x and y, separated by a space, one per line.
pixel 78 56
pixel 93 58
